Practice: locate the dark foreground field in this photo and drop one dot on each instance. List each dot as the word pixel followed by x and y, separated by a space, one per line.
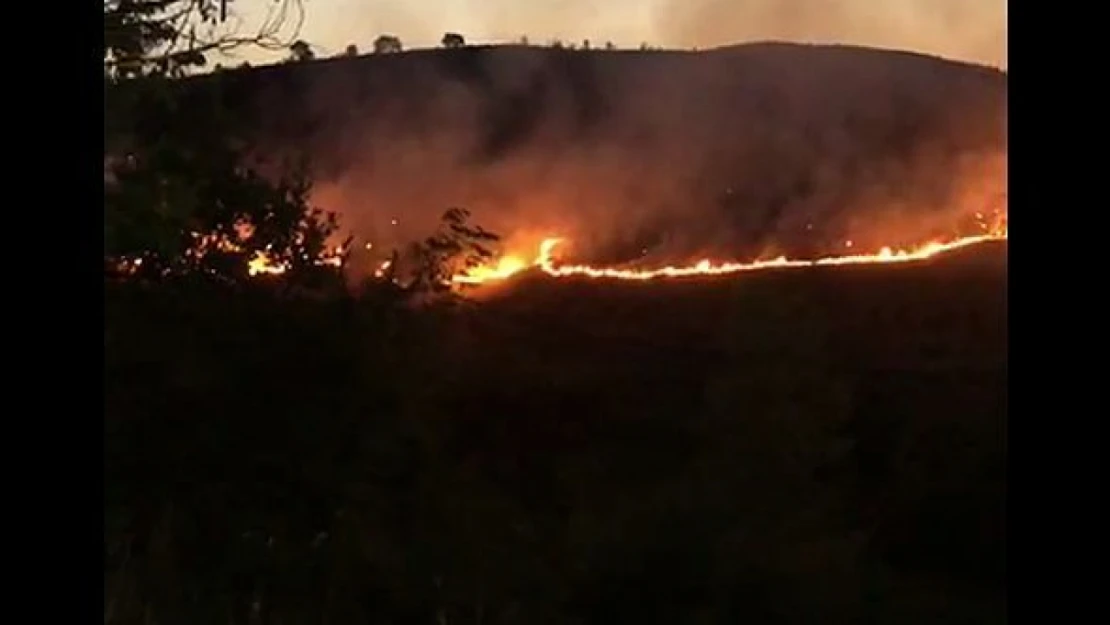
pixel 821 446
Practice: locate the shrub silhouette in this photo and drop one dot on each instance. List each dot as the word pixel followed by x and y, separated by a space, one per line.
pixel 301 51
pixel 386 44
pixel 453 40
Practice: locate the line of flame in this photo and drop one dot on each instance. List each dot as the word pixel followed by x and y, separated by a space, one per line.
pixel 511 265
pixel 544 261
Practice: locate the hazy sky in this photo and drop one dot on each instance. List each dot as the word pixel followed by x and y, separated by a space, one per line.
pixel 973 30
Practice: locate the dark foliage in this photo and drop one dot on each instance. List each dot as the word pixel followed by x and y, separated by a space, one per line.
pixel 301 51
pixel 387 44
pixel 185 196
pixel 453 40
pixel 201 211
pixel 457 247
pixel 822 447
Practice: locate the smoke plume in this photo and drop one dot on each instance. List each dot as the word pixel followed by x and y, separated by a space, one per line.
pixel 646 157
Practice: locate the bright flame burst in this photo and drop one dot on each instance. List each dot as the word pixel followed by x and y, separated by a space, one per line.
pixel 504 267
pixel 545 262
pixel 262 264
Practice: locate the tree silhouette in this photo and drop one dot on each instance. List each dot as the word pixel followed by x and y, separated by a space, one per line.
pixel 352 50
pixel 169 37
pixel 183 195
pixel 453 40
pixel 191 204
pixel 386 44
pixel 455 248
pixel 301 51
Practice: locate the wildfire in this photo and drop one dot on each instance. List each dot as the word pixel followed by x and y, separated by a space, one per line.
pixel 263 264
pixel 260 263
pixel 505 267
pixel 545 262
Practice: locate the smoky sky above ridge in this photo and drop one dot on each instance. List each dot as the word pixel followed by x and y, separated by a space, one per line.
pixel 967 30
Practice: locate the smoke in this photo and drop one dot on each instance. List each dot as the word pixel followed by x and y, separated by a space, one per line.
pixel 646 157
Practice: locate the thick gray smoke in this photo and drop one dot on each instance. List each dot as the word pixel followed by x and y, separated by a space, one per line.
pixel 651 156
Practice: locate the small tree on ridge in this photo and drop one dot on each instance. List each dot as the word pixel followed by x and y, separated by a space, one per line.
pixel 387 44
pixel 453 40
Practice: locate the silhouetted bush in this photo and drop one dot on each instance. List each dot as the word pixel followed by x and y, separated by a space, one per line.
pixel 453 40
pixel 301 51
pixel 386 44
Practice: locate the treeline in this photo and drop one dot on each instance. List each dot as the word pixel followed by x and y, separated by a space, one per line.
pixel 301 50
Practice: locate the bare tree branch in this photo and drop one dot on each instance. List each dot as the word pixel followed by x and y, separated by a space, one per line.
pixel 151 36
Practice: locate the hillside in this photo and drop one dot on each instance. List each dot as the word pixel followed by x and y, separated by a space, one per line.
pixel 730 150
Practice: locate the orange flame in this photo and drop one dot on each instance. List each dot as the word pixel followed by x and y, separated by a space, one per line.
pixel 545 262
pixel 503 268
pixel 263 264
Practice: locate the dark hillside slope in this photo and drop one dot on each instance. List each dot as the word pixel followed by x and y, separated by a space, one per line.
pixel 728 151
